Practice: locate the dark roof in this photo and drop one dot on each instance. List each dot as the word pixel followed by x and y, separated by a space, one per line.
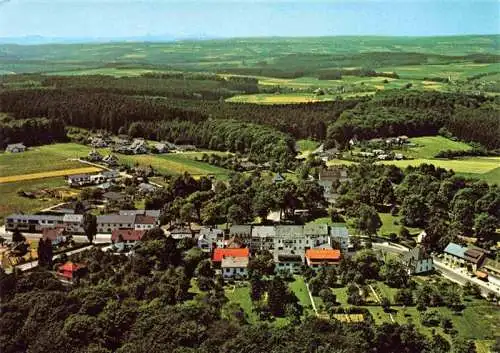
pixel 111 195
pixel 418 253
pixel 115 219
pixel 474 255
pixel 289 258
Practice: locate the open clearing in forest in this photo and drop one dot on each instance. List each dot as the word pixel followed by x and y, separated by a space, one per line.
pixel 43 175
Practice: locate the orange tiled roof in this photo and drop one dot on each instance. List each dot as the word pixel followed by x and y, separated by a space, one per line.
pixel 220 253
pixel 323 254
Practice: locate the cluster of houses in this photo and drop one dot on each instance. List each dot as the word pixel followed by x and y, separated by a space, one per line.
pixel 79 180
pixel 140 220
pixel 378 154
pixel 136 146
pixel 292 246
pixel 473 259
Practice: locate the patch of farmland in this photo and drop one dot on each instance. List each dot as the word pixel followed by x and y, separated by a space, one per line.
pixel 50 174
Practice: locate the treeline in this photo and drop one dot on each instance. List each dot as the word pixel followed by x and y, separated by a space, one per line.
pixel 153 118
pixel 480 124
pixel 261 143
pixel 336 74
pixel 122 305
pixel 468 117
pixel 31 132
pixel 307 120
pixel 171 85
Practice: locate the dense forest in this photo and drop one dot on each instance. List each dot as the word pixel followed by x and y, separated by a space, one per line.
pixel 31 132
pixel 113 104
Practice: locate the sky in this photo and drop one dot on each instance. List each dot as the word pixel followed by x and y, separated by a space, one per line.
pixel 245 18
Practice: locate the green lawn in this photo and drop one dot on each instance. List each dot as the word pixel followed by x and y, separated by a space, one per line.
pixel 478 167
pixel 12 203
pixel 299 288
pixel 241 296
pixel 42 159
pixel 307 145
pixel 389 226
pixel 429 146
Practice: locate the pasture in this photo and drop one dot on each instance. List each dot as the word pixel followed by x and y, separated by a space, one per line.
pixel 42 159
pixel 429 146
pixel 455 71
pixel 477 167
pixel 12 202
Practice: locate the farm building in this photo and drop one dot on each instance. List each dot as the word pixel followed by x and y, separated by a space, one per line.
pixel 234 267
pixel 316 258
pixel 15 148
pixel 126 235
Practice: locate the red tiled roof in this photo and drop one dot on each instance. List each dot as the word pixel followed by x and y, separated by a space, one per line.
pixel 220 253
pixel 127 234
pixel 142 219
pixel 52 233
pixel 323 254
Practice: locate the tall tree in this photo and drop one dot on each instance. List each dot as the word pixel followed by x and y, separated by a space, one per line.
pixel 90 226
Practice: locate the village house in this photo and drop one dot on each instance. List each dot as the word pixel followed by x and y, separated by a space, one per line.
pixel 94 156
pixel 111 160
pixel 340 235
pixel 79 180
pixel 180 232
pixel 288 262
pixel 210 238
pixel 151 213
pixel 161 148
pixel 329 179
pixel 262 238
pixel 243 232
pixel 98 142
pixel 235 267
pixel 145 188
pixel 316 258
pixel 418 261
pixel 474 258
pixel 139 146
pixel 108 223
pixel 15 148
pixel 143 222
pixel 112 196
pixel 32 223
pixel 73 223
pixel 71 271
pixel 55 235
pixel 454 254
pixel 220 253
pixel 128 236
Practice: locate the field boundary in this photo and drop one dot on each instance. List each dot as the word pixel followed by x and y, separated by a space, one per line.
pixel 50 174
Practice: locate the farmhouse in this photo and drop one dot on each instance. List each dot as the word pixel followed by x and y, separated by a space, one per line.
pixel 55 235
pixel 234 267
pixel 474 258
pixel 161 148
pixel 340 235
pixel 288 262
pixel 112 196
pixel 316 258
pixel 454 254
pixel 221 253
pixel 106 224
pixel 145 188
pixel 210 238
pixel 417 261
pixel 79 180
pixel 73 223
pixel 243 232
pixel 180 232
pixel 126 235
pixel 15 148
pixel 110 160
pixel 32 223
pixel 143 222
pixel 262 238
pixel 71 271
pixel 98 142
pixel 151 213
pixel 94 156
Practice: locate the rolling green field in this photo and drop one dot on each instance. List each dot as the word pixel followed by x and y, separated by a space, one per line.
pixel 11 202
pixel 429 146
pixel 307 145
pixel 477 167
pixel 54 157
pixel 455 71
pixel 42 159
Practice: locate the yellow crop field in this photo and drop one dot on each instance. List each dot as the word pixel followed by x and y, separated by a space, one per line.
pixel 349 317
pixel 51 174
